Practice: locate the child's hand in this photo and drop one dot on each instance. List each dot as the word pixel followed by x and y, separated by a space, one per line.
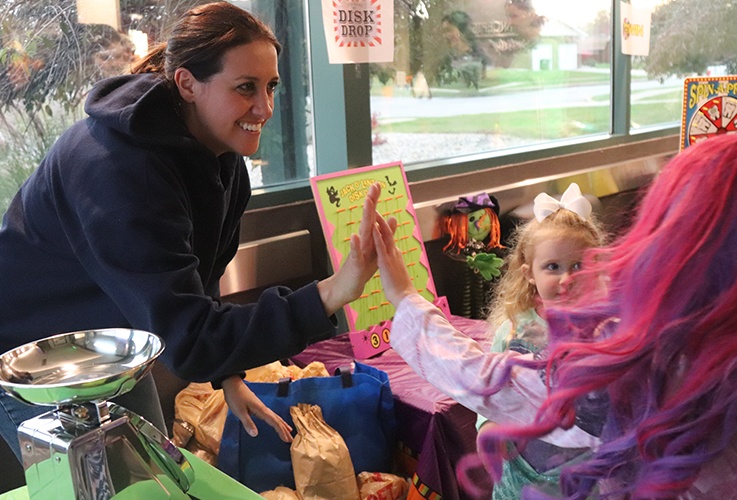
pixel 394 276
pixel 244 403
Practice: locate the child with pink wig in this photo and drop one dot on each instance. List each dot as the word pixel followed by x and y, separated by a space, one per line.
pixel 659 340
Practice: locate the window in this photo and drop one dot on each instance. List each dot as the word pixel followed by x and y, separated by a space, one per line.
pixel 52 52
pixel 688 38
pixel 476 76
pixel 471 81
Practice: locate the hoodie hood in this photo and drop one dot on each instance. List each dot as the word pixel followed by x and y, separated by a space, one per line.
pixel 139 106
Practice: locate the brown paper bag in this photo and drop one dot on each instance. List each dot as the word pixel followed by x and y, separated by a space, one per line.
pixel 320 459
pixel 275 371
pixel 200 413
pixel 209 430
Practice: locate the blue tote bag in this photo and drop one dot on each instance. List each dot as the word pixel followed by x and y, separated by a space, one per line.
pixel 358 405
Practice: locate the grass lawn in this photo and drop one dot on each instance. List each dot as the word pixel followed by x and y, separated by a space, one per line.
pixel 648 107
pixel 502 81
pixel 536 124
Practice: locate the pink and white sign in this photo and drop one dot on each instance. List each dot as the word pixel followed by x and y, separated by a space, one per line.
pixel 359 31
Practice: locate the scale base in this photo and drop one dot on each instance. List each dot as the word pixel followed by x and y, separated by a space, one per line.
pixel 64 461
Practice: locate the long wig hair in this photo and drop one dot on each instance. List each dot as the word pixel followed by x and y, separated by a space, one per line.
pixel 669 360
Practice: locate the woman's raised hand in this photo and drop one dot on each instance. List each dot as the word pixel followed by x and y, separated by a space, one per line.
pixel 347 284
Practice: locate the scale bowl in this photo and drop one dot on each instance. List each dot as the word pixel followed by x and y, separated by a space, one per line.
pixel 78 367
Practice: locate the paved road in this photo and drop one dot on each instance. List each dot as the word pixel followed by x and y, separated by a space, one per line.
pixel 402 108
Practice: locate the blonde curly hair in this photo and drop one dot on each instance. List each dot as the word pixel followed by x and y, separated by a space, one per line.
pixel 514 293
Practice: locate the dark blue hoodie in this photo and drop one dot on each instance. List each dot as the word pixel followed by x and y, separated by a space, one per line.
pixel 130 222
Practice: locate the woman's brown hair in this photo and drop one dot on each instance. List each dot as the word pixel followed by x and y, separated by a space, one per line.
pixel 202 37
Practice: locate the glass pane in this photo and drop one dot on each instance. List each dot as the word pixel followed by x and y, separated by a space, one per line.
pixel 657 79
pixel 52 52
pixel 285 151
pixel 473 76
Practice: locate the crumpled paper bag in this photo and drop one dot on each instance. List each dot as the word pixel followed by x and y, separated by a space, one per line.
pixel 320 459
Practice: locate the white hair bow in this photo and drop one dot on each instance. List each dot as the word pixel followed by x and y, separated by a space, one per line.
pixel 571 200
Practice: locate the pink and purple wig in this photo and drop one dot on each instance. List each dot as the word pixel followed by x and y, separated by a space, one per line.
pixel 669 361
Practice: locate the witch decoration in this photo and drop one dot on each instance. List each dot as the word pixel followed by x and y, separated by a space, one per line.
pixel 472 227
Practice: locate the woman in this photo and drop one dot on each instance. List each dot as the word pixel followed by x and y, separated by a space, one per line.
pixel 133 215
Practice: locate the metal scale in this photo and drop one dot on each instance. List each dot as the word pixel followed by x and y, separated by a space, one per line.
pixel 86 447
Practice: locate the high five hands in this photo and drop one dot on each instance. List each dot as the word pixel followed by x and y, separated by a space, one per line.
pixel 347 284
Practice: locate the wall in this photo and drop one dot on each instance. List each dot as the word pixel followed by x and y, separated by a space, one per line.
pixel 295 228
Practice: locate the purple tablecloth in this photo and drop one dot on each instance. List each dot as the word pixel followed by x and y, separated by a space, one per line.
pixel 432 428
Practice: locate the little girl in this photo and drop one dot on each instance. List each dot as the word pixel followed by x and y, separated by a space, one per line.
pixel 482 381
pixel 547 251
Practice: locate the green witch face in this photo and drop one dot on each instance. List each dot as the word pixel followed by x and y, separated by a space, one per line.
pixel 479 224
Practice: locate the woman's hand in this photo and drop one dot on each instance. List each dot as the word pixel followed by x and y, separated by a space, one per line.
pixel 244 403
pixel 347 284
pixel 394 276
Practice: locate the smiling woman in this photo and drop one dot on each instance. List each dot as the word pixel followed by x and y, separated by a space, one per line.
pixel 223 100
pixel 136 212
pixel 226 112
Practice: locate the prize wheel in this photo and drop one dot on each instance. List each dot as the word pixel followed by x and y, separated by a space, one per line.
pixel 715 116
